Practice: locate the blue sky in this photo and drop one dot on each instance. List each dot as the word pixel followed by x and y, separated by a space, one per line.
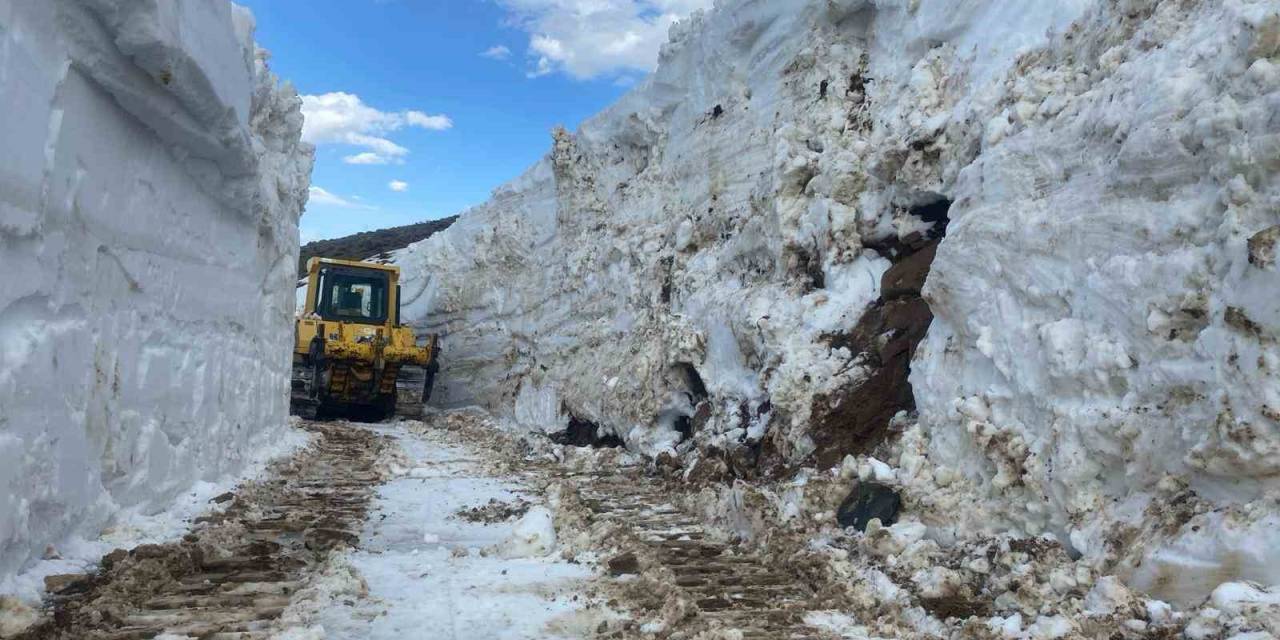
pixel 419 108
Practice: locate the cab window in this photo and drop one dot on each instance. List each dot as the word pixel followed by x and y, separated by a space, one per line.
pixel 348 295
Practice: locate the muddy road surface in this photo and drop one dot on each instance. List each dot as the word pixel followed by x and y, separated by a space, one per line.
pixel 444 529
pixel 234 574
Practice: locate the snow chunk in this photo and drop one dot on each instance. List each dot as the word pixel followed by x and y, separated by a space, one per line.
pixel 534 536
pixel 15 616
pixel 1233 597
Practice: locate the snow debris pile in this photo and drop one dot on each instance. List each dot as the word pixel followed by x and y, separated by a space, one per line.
pixel 732 266
pixel 919 573
pixel 151 180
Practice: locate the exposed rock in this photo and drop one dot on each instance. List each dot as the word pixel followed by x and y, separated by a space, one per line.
pixel 624 564
pixel 114 558
pixel 701 414
pixel 66 583
pixel 868 501
pixel 324 539
pixel 960 607
pixel 668 462
pixel 706 470
pixel 145 551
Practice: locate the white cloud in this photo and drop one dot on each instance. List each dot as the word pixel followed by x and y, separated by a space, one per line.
pixel 324 197
pixel 496 52
pixel 435 123
pixel 343 118
pixel 590 38
pixel 368 157
pixel 399 186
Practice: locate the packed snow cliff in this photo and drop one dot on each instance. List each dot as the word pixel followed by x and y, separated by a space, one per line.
pixel 151 179
pixel 730 264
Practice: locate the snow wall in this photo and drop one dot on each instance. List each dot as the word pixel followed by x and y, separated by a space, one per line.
pixel 151 179
pixel 719 254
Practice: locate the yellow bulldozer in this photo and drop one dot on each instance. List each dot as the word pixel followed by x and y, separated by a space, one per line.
pixel 351 355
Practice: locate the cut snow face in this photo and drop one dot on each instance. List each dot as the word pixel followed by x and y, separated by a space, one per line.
pixel 152 181
pixel 1095 336
pixel 682 308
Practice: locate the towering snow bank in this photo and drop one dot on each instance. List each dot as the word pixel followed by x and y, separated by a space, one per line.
pixel 1106 345
pixel 151 179
pixel 717 235
pixel 734 251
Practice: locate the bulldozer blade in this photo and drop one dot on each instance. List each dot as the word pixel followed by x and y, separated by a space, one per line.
pixel 412 390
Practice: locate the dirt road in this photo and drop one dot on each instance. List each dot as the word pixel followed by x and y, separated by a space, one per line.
pixel 445 529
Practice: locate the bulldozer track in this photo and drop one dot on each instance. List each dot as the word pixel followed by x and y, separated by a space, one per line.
pixel 236 573
pixel 273 532
pixel 732 586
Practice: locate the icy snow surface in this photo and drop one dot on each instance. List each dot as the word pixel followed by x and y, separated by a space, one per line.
pixel 1103 365
pixel 151 179
pixel 430 574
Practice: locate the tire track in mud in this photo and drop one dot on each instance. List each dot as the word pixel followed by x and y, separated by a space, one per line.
pixel 234 574
pixel 724 586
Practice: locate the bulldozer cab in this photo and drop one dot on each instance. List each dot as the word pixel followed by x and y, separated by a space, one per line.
pixel 361 293
pixel 353 295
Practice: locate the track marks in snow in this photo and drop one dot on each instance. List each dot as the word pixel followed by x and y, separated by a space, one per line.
pixel 235 573
pixel 429 569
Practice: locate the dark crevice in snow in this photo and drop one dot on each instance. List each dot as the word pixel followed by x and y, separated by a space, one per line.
pixel 666 265
pixel 938 213
pixel 809 270
pixel 584 433
pixel 936 210
pixel 697 388
pixel 684 426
